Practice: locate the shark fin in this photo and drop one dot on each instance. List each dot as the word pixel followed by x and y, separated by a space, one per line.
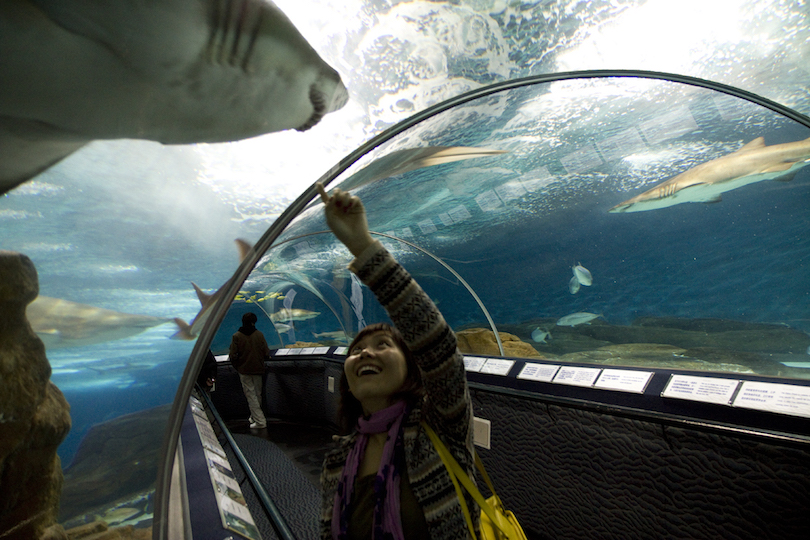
pixel 779 167
pixel 759 142
pixel 244 248
pixel 204 297
pixel 184 331
pixel 786 177
pixel 715 199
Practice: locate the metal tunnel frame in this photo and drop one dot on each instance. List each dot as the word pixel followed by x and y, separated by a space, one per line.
pixel 160 525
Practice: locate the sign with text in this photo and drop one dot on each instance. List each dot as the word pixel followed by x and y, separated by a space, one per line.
pixel 779 398
pixel 473 363
pixel 705 389
pixel 625 380
pixel 577 376
pixel 538 372
pixel 497 366
pixel 232 506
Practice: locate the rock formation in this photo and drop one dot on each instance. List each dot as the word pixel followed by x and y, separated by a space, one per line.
pixel 34 415
pixel 699 344
pixel 482 341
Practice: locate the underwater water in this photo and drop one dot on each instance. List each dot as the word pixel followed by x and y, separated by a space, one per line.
pixel 131 251
pixel 514 225
pixel 128 225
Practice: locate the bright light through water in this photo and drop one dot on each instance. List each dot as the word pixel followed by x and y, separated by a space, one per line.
pixel 668 36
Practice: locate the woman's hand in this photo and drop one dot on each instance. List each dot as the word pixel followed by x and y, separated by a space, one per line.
pixel 346 216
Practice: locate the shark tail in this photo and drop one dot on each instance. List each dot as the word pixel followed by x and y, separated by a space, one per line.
pixel 204 297
pixel 184 331
pixel 244 248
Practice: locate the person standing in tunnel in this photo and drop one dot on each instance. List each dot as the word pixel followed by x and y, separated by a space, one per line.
pixel 385 479
pixel 248 352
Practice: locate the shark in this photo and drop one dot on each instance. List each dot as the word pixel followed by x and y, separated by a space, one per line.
pixel 337 335
pixel 752 163
pixel 61 323
pixel 171 71
pixel 575 319
pixel 287 315
pixel 410 159
pixel 190 331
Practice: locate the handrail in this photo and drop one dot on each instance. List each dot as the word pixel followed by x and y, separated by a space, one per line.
pixel 276 519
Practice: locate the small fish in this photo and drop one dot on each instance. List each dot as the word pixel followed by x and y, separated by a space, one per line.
pixel 575 319
pixel 338 335
pixel 540 336
pixel 288 315
pixel 281 327
pixel 583 275
pixel 116 516
pixel 573 285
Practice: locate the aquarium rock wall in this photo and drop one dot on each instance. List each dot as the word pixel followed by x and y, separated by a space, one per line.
pixel 35 416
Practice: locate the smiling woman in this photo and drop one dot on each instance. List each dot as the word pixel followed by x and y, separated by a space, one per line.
pixel 392 382
pixel 379 371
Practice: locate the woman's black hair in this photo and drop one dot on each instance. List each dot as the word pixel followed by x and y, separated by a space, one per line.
pixel 249 319
pixel 412 389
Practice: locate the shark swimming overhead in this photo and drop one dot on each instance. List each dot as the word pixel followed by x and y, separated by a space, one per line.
pixel 410 159
pixel 61 323
pixel 173 71
pixel 752 163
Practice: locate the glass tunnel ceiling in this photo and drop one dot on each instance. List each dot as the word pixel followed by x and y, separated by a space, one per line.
pixel 126 225
pixel 611 219
pixel 537 184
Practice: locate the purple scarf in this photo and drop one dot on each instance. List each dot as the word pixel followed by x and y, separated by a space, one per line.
pixel 387 518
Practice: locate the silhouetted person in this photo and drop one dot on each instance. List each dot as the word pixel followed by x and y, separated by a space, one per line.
pixel 248 352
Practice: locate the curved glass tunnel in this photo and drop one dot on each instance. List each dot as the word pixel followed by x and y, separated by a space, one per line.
pixel 518 211
pixel 498 236
pixel 709 279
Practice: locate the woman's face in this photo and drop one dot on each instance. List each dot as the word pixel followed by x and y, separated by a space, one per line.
pixel 375 370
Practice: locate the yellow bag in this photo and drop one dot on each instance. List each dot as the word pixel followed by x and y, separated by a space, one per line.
pixel 497 523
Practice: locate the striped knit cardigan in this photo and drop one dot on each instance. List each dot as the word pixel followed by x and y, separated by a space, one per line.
pixel 446 406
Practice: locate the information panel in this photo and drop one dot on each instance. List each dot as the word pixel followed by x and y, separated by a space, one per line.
pixel 232 506
pixel 577 376
pixel 538 372
pixel 624 380
pixel 497 366
pixel 474 363
pixel 779 398
pixel 705 389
